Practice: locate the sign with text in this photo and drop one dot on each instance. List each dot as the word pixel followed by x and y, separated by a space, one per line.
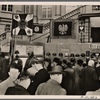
pixel 95 46
pixel 21 49
pixel 38 50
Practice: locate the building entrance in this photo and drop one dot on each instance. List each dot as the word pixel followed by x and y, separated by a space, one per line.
pixel 95 29
pixel 95 34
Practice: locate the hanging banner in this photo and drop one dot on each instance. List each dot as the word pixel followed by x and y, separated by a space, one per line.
pixel 62 28
pixel 22 24
pixel 37 28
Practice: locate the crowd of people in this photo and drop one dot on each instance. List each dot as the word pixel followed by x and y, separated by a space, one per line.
pixel 72 75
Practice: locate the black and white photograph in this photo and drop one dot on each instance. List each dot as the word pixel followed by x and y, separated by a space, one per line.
pixel 50 49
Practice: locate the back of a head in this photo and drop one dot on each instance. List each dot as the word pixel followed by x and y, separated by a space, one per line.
pixel 69 65
pixel 36 61
pixel 56 73
pixel 16 52
pixel 31 54
pixel 84 64
pixel 15 66
pixel 72 60
pixel 64 61
pixel 80 62
pixel 57 60
pixel 91 63
pixel 47 60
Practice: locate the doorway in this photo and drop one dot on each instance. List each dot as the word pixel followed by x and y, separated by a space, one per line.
pixel 95 34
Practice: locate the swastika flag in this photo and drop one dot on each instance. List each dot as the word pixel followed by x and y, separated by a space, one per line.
pixel 37 28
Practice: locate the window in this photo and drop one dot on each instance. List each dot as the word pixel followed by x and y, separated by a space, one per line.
pixel 7 7
pixel 95 7
pixel 57 10
pixel 47 12
pixel 84 36
pixel 27 9
pixel 10 7
pixel 44 13
pixel 7 27
pixel 4 7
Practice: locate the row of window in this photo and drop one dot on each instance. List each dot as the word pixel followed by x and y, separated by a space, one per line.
pixel 46 10
pixel 7 7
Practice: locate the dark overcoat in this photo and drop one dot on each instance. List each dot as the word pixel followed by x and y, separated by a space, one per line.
pixel 40 77
pixel 89 79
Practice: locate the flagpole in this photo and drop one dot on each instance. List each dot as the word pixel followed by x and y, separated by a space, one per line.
pixel 13 43
pixel 14 39
pixel 12 47
pixel 50 30
pixel 0 43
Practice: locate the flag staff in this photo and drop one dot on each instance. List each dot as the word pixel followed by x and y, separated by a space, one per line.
pixel 12 43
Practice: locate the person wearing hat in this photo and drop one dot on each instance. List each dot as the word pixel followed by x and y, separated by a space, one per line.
pixel 18 61
pixel 52 86
pixel 89 78
pixel 56 61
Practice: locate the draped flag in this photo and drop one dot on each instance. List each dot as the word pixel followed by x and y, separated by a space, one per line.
pixel 22 24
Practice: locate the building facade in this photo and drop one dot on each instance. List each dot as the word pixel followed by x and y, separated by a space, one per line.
pixel 84 30
pixel 41 15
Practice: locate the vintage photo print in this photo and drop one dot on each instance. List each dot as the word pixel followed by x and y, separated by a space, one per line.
pixel 50 50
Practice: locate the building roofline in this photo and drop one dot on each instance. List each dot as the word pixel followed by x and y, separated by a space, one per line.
pixel 87 15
